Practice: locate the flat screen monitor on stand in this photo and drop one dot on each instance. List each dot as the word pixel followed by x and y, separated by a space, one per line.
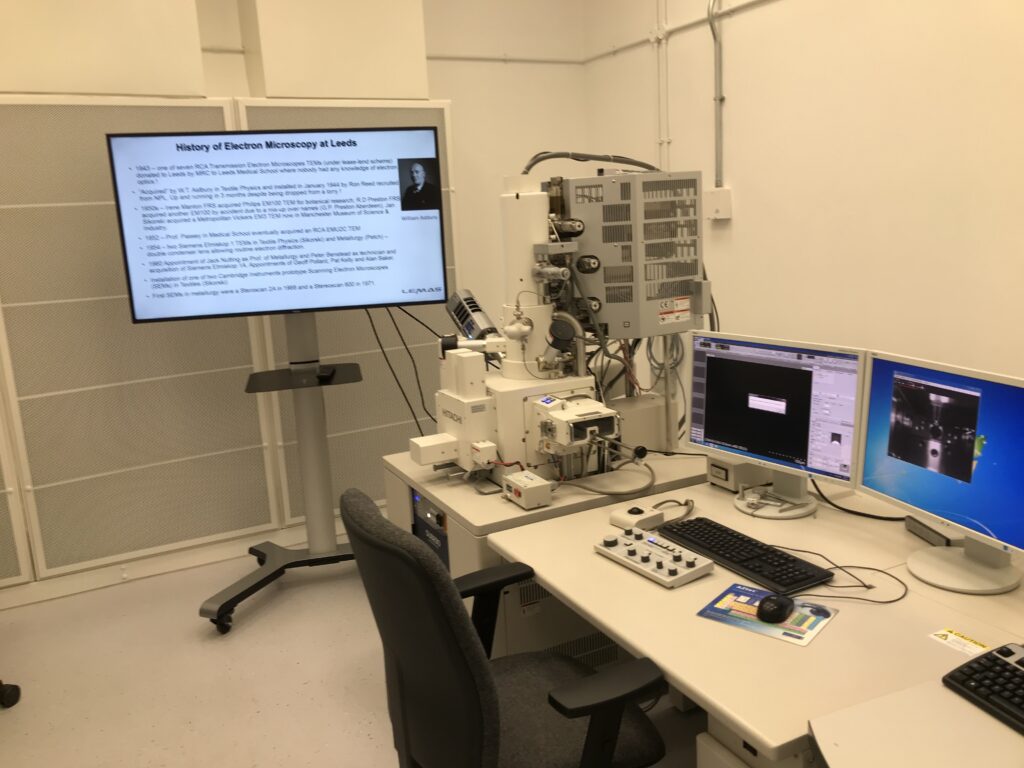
pixel 790 407
pixel 284 222
pixel 945 443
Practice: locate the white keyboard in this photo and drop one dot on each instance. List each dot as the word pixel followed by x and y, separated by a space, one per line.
pixel 656 558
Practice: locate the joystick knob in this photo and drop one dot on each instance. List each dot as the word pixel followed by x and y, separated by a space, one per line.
pixel 611 540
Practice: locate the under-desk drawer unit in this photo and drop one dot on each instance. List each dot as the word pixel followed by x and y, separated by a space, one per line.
pixel 430 525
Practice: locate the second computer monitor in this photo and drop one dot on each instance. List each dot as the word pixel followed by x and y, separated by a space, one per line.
pixel 789 406
pixel 945 443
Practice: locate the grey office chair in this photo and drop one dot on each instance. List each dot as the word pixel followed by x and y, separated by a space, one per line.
pixel 450 706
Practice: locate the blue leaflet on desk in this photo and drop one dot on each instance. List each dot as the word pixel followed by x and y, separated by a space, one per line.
pixel 737 606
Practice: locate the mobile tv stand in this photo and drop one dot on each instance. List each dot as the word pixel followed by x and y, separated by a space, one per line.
pixel 304 378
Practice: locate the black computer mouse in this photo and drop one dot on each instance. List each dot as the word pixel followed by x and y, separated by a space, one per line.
pixel 775 609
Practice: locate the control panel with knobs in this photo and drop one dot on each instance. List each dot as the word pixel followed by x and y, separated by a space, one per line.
pixel 656 558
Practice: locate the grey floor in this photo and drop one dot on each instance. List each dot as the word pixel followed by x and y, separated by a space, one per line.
pixel 130 676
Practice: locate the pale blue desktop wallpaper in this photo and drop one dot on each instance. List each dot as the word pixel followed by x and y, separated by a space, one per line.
pixel 990 500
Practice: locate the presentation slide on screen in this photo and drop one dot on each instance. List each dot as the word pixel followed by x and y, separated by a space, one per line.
pixel 221 224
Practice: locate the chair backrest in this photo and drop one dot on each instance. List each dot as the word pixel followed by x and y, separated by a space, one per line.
pixel 441 694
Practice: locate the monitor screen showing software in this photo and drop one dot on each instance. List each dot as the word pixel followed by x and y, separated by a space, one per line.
pixel 948 443
pixel 244 223
pixel 793 407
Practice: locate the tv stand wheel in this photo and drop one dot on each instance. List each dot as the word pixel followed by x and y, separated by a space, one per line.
pixel 9 695
pixel 222 623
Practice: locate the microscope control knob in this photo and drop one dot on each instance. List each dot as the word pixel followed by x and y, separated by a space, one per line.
pixel 611 540
pixel 677 558
pixel 660 564
pixel 673 571
pixel 628 532
pixel 645 558
pixel 631 551
pixel 638 535
pixel 691 562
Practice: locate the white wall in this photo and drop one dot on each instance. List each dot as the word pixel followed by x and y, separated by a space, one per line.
pixel 102 47
pixel 873 150
pixel 501 66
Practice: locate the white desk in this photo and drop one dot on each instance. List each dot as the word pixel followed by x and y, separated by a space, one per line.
pixel 758 690
pixel 900 729
pixel 471 517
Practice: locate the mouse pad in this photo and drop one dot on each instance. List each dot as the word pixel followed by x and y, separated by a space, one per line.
pixel 738 606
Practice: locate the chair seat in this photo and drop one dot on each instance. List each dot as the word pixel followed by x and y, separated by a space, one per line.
pixel 534 734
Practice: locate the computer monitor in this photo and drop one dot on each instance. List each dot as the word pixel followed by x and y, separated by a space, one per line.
pixel 946 444
pixel 791 407
pixel 260 222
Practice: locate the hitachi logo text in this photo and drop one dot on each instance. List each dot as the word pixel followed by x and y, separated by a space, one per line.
pixel 453 416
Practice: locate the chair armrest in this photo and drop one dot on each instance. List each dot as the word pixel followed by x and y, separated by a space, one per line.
pixel 635 680
pixel 492 579
pixel 485 586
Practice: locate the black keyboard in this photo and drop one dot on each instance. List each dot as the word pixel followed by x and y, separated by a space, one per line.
pixel 995 682
pixel 768 566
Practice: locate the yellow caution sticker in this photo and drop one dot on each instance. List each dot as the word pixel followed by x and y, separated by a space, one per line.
pixel 958 641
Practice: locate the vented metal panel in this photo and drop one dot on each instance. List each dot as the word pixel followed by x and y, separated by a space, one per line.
pixel 152 507
pixel 670 270
pixel 593 650
pixel 57 153
pixel 668 290
pixel 618 294
pixel 618 274
pixel 112 429
pixel 8 551
pixel 92 343
pixel 617 233
pixel 616 213
pixel 659 226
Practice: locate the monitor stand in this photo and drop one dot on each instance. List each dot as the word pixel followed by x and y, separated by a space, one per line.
pixel 304 378
pixel 976 568
pixel 788 498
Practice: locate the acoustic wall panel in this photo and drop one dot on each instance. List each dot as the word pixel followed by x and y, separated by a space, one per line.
pixel 48 253
pixel 134 439
pixel 138 510
pixel 57 153
pixel 62 346
pixel 355 461
pixel 8 551
pixel 98 431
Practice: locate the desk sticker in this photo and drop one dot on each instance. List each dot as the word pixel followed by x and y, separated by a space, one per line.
pixel 737 606
pixel 958 641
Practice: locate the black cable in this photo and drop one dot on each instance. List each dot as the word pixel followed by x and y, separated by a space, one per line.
pixel 849 511
pixel 582 157
pixel 845 569
pixel 410 314
pixel 415 418
pixel 415 370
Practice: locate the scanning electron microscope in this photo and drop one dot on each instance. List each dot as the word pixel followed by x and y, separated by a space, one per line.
pixel 589 264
